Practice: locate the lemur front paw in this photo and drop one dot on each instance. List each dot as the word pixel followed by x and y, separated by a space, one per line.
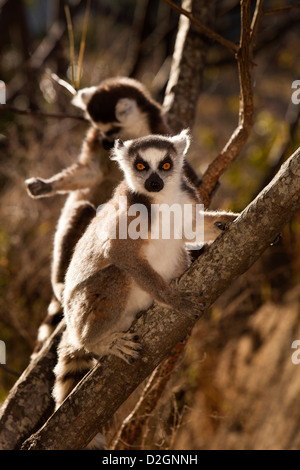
pixel 37 187
pixel 225 221
pixel 126 346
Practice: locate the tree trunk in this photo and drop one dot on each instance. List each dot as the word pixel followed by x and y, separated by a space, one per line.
pixel 186 75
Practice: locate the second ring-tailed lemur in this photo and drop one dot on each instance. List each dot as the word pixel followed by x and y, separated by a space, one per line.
pixel 111 278
pixel 118 107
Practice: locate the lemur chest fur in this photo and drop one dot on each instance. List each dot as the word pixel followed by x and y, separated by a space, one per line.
pixel 169 259
pixel 166 257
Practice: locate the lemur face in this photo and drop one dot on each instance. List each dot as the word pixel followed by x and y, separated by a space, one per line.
pixel 121 121
pixel 116 108
pixel 152 164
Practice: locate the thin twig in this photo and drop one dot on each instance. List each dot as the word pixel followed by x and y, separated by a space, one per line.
pixel 204 29
pixel 258 13
pixel 9 370
pixel 281 10
pixel 12 109
pixel 71 41
pixel 82 43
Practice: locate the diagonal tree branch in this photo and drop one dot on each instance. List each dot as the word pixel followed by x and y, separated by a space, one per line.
pixel 160 329
pixel 29 402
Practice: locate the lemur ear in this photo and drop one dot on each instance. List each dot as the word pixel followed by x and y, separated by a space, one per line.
pixel 124 107
pixel 83 96
pixel 182 141
pixel 119 150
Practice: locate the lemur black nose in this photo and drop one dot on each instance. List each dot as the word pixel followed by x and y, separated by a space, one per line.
pixel 154 183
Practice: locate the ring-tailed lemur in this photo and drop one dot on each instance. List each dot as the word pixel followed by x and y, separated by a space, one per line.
pixel 117 108
pixel 111 278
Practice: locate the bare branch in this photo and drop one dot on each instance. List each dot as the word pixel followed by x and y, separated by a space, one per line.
pixel 258 13
pixel 203 28
pixel 71 41
pixel 30 112
pixel 82 42
pixel 281 10
pixel 9 370
pixel 112 380
pixel 239 137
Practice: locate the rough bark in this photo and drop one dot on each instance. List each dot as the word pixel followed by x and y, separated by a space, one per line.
pixel 112 381
pixel 29 402
pixel 186 73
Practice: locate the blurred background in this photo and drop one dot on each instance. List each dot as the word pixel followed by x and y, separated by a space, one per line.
pixel 235 386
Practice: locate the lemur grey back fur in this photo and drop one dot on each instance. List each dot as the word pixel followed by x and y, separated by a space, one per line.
pixel 111 279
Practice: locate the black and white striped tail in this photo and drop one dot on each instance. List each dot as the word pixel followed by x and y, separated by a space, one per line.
pixel 72 365
pixel 53 318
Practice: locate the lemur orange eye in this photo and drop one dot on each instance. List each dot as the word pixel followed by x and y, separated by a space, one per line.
pixel 140 166
pixel 166 166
